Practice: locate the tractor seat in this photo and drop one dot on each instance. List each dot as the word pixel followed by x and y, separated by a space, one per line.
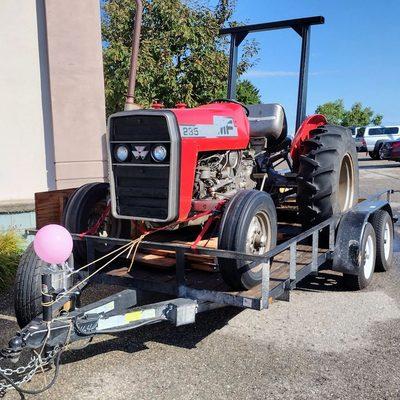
pixel 269 121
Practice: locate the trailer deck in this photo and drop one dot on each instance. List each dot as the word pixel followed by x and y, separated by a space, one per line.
pixel 170 265
pixel 177 269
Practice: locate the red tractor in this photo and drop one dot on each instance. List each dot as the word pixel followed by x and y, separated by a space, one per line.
pixel 168 165
pixel 169 168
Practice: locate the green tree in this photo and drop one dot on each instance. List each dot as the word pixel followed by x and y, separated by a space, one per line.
pixel 334 111
pixel 357 115
pixel 182 58
pixel 361 116
pixel 247 93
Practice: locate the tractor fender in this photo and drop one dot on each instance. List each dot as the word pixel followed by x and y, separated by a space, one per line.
pixel 303 133
pixel 346 255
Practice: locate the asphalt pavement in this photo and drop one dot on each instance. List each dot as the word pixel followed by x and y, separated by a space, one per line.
pixel 326 343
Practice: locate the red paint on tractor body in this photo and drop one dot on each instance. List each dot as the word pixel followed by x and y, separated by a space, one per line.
pixel 193 145
pixel 303 133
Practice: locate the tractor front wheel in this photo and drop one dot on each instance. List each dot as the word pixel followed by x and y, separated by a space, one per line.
pixel 248 225
pixel 87 211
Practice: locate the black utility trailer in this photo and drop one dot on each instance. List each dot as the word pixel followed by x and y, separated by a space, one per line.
pixel 332 245
pixel 337 244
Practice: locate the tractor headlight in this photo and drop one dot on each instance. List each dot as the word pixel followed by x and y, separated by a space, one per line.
pixel 121 153
pixel 159 153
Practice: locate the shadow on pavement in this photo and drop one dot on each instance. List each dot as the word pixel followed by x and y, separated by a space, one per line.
pixel 324 281
pixel 379 166
pixel 187 336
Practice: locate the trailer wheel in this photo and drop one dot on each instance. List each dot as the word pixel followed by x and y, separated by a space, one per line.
pixel 28 286
pixel 367 258
pixel 327 175
pixel 249 225
pixel 83 210
pixel 383 226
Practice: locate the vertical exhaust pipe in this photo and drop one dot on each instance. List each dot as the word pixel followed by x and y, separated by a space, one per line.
pixel 129 102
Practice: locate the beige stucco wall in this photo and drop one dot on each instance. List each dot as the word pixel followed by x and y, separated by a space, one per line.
pixel 22 145
pixel 77 90
pixel 52 111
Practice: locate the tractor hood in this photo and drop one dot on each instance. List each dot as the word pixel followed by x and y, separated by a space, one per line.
pixel 217 126
pixel 145 188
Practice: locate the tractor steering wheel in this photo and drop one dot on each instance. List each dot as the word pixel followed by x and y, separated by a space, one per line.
pixel 231 101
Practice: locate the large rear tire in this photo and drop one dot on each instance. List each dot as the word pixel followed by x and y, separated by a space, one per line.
pixel 83 210
pixel 327 175
pixel 248 225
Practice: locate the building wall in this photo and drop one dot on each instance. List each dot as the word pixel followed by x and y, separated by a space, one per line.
pixel 23 162
pixel 52 106
pixel 77 90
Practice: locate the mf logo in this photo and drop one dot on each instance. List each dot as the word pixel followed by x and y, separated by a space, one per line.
pixel 226 129
pixel 140 152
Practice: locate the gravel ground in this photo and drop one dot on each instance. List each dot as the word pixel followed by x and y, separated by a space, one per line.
pixel 326 343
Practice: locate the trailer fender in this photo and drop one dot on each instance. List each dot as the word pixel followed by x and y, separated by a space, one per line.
pixel 349 235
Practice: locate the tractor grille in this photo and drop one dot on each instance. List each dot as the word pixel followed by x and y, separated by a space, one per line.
pixel 141 187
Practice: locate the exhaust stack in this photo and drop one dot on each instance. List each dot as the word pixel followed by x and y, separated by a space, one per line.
pixel 129 102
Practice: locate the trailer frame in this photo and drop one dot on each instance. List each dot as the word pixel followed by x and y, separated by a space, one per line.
pixel 53 331
pixel 328 258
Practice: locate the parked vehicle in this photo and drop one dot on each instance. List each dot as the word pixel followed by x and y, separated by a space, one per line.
pixel 375 136
pixel 390 151
pixel 361 145
pixel 355 130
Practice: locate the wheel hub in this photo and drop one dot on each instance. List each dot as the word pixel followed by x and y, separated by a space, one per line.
pixel 369 257
pixel 387 241
pixel 346 184
pixel 258 234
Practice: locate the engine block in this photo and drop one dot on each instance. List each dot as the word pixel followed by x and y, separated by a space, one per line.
pixel 220 175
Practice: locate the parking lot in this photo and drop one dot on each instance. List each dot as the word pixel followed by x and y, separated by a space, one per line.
pixel 326 343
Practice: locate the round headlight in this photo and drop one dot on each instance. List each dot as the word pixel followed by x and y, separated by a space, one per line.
pixel 121 153
pixel 159 153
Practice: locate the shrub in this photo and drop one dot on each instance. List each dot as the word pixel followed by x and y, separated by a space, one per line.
pixel 11 247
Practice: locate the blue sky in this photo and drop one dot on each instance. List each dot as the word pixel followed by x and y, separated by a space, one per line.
pixel 355 55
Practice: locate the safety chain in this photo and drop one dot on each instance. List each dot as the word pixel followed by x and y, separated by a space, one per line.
pixel 26 372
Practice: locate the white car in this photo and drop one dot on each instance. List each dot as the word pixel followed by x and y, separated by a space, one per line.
pixel 375 136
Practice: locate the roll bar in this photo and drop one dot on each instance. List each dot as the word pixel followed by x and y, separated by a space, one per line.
pixel 302 26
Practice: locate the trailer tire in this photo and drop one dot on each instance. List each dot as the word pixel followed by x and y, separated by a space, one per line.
pixel 28 286
pixel 248 225
pixel 383 226
pixel 367 261
pixel 83 209
pixel 327 175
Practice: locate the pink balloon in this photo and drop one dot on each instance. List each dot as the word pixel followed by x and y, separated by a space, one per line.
pixel 53 244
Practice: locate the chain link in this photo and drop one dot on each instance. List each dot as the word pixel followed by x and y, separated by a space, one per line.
pixel 28 371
